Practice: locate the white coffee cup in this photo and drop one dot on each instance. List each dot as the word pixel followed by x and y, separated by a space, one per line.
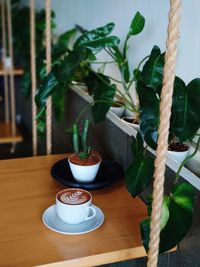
pixel 73 206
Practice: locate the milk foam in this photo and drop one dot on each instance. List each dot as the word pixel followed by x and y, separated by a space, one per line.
pixel 77 197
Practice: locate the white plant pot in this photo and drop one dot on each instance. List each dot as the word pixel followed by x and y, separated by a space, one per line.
pixel 194 163
pixel 84 174
pixel 178 156
pixel 7 63
pixel 119 111
pixel 129 113
pixel 133 125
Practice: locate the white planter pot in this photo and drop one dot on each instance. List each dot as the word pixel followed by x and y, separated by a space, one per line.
pixel 84 174
pixel 7 63
pixel 119 111
pixel 194 163
pixel 178 156
pixel 128 113
pixel 133 125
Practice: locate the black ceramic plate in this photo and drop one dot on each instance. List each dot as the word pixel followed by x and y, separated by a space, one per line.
pixel 109 173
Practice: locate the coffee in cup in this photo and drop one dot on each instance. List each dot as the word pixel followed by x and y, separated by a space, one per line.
pixel 73 205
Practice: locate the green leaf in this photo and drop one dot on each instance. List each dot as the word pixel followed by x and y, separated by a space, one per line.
pixel 67 67
pixel 176 220
pixel 139 174
pixel 186 109
pixel 137 145
pixel 149 113
pixel 58 103
pixel 103 94
pixel 46 89
pixel 122 63
pixel 152 73
pixel 97 38
pixel 183 194
pixel 137 24
pixel 66 36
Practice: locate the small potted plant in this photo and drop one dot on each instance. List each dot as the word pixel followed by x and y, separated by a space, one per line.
pixel 84 162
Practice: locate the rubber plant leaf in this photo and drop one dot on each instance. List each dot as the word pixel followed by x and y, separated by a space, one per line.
pixel 122 63
pixel 180 205
pixel 97 38
pixel 66 37
pixel 186 109
pixel 137 24
pixel 152 72
pixel 103 94
pixel 149 113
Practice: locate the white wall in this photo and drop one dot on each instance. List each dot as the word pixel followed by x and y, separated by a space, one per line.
pixel 94 13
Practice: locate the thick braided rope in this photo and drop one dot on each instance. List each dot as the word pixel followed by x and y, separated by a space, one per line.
pixel 48 68
pixel 5 77
pixel 12 82
pixel 33 76
pixel 163 131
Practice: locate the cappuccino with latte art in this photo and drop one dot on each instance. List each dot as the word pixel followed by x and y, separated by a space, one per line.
pixel 74 206
pixel 74 196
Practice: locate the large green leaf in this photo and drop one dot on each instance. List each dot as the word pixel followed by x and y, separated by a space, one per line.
pixel 97 38
pixel 137 24
pixel 179 220
pixel 65 37
pixel 186 109
pixel 58 102
pixel 46 89
pixel 65 70
pixel 152 73
pixel 149 113
pixel 137 145
pixel 139 174
pixel 103 93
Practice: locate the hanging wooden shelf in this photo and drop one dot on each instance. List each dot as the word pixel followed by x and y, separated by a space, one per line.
pixel 6 134
pixel 17 71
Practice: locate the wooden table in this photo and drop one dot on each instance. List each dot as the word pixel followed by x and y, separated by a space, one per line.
pixel 27 189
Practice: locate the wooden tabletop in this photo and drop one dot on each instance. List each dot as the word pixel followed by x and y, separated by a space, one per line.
pixel 27 190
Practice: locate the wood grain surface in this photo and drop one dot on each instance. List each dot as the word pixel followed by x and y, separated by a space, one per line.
pixel 27 190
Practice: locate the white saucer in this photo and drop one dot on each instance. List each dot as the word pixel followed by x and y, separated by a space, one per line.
pixel 53 222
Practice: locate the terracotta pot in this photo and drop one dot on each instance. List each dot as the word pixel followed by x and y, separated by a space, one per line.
pixel 129 121
pixel 84 173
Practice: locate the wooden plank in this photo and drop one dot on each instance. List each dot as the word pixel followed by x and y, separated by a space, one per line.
pixel 27 189
pixel 6 134
pixel 17 71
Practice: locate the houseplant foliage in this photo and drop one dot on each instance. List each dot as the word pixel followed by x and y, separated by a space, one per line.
pixel 184 123
pixel 82 56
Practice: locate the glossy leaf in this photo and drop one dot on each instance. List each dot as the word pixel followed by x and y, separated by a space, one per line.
pixel 137 24
pixel 46 89
pixel 178 221
pixel 58 102
pixel 139 174
pixel 66 36
pixel 186 109
pixel 183 194
pixel 149 113
pixel 66 69
pixel 97 38
pixel 103 94
pixel 137 145
pixel 152 73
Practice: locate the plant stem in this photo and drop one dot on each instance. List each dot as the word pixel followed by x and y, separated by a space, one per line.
pixel 185 160
pixel 99 62
pixel 142 61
